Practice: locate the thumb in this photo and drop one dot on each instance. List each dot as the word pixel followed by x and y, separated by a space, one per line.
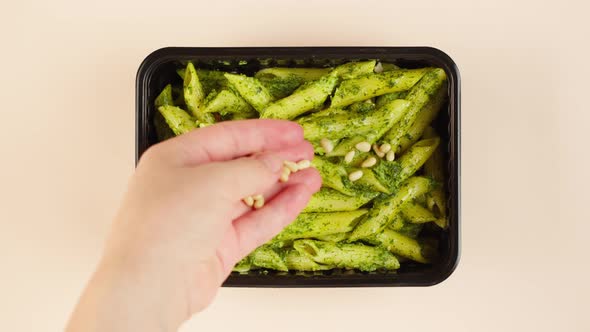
pixel 258 226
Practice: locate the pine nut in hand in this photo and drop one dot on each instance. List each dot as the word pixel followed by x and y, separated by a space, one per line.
pixel 390 155
pixel 363 146
pixel 369 162
pixel 327 145
pixel 293 167
pixel 355 175
pixel 249 200
pixel 303 164
pixel 258 201
pixel 285 175
pixel 385 147
pixel 349 156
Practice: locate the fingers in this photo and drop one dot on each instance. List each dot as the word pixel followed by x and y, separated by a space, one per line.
pixel 232 250
pixel 236 179
pixel 309 177
pixel 300 151
pixel 257 227
pixel 230 140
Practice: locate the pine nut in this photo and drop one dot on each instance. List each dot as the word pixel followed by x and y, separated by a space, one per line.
pixel 327 145
pixel 363 146
pixel 285 175
pixel 385 147
pixel 369 162
pixel 258 201
pixel 378 68
pixel 355 175
pixel 303 164
pixel 390 155
pixel 349 156
pixel 378 151
pixel 293 167
pixel 249 200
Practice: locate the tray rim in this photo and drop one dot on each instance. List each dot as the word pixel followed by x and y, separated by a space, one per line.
pixel 167 54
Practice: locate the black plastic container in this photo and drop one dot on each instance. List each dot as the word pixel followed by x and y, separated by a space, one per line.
pixel 158 69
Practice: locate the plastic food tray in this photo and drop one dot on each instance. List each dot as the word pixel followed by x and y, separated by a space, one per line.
pixel 159 69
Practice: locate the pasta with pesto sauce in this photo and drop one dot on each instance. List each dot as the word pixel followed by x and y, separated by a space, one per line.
pixel 376 149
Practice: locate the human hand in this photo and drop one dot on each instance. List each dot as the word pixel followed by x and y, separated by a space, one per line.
pixel 182 225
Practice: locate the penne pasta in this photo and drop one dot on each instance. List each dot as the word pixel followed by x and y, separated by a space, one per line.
pixel 381 162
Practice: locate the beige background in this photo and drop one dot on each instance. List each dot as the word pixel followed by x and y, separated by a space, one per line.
pixel 67 74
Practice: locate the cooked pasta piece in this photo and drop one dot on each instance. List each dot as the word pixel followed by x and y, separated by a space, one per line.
pixel 347 255
pixel 386 209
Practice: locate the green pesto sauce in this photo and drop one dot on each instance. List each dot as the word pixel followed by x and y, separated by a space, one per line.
pixel 280 87
pixel 410 230
pixel 362 107
pixel 210 96
pixel 388 173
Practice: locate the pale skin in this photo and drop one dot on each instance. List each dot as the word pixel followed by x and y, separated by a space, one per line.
pixel 182 225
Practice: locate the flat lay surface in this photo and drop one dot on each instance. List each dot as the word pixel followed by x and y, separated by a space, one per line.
pixel 67 145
